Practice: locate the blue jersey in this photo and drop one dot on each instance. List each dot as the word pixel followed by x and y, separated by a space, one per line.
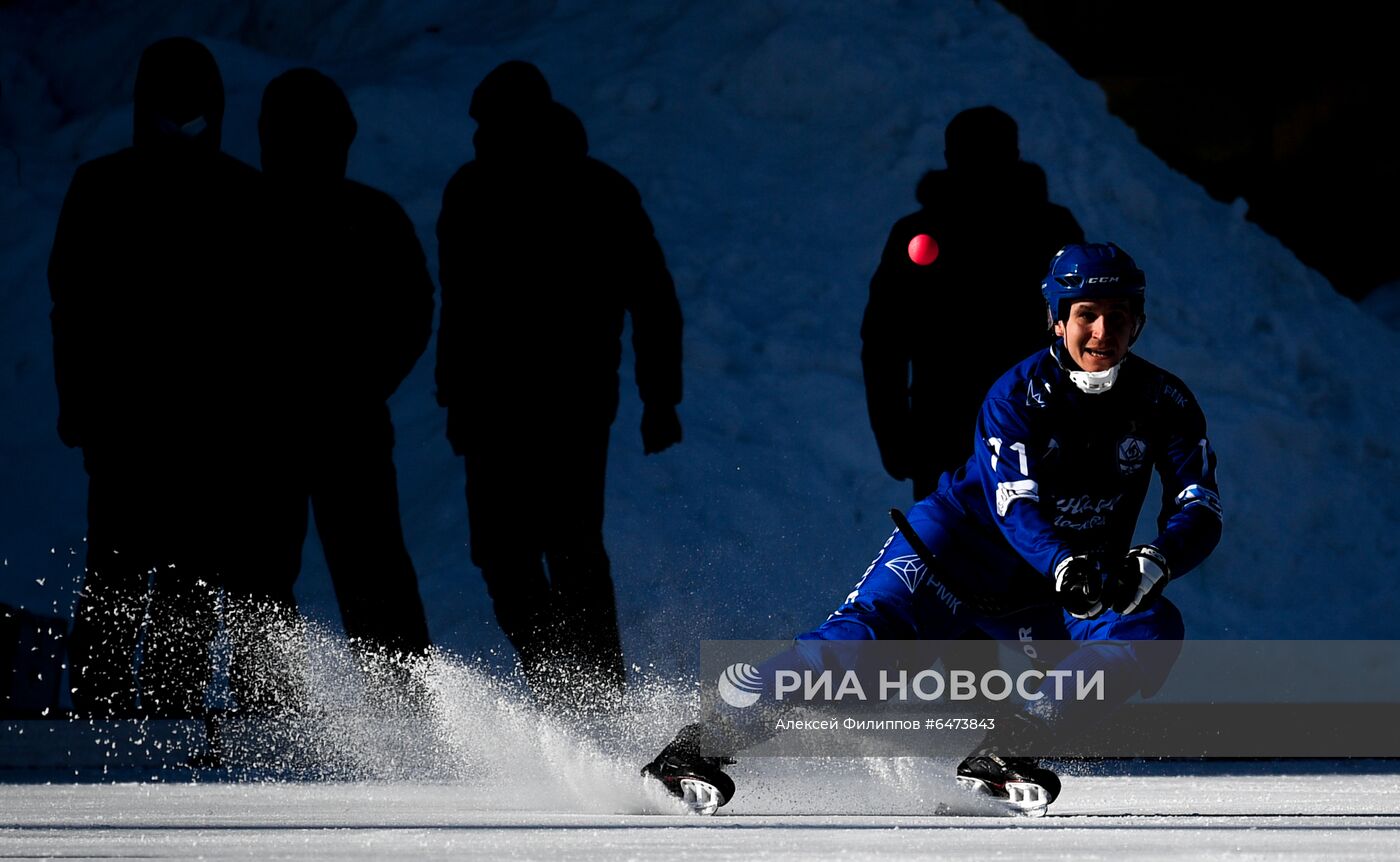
pixel 1056 471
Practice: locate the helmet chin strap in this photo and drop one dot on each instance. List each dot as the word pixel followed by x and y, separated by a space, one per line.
pixel 1095 382
pixel 1088 382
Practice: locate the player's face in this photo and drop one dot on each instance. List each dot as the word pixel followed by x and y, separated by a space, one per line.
pixel 1097 332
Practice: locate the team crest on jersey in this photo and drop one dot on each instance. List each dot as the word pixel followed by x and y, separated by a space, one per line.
pixel 1132 455
pixel 1035 397
pixel 910 569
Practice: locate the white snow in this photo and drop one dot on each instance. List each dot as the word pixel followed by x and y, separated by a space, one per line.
pixel 774 143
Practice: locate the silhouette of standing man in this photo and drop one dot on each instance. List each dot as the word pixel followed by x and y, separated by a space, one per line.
pixel 360 303
pixel 986 230
pixel 543 249
pixel 151 265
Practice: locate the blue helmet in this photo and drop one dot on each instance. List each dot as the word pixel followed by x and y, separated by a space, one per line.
pixel 1092 271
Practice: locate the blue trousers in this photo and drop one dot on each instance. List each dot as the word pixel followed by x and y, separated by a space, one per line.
pixel 898 598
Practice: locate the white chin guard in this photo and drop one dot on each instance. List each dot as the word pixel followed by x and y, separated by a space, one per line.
pixel 1095 382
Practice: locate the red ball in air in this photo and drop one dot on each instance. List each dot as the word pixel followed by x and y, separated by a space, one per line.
pixel 923 249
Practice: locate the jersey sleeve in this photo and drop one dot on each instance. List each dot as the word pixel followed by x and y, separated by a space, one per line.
pixel 1191 518
pixel 1007 463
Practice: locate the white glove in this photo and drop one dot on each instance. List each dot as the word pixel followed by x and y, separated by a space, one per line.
pixel 1137 581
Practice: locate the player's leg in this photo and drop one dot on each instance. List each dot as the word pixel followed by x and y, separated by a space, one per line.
pixel 1127 655
pixel 895 599
pixel 1131 654
pixel 1001 767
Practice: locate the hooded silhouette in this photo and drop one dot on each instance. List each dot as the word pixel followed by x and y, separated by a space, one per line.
pixel 994 231
pixel 543 250
pixel 360 300
pixel 153 280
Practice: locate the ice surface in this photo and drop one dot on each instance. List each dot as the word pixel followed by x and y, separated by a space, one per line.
pixel 438 757
pixel 1196 817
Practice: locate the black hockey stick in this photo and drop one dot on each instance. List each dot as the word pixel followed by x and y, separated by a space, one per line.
pixel 1031 594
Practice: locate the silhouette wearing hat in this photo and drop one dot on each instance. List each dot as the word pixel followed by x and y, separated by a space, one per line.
pixel 153 276
pixel 358 303
pixel 543 250
pixel 986 229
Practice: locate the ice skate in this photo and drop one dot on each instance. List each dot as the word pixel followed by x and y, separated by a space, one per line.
pixel 697 781
pixel 1019 784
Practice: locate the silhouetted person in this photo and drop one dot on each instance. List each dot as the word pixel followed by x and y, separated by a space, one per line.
pixel 360 306
pixel 542 250
pixel 152 278
pixel 927 363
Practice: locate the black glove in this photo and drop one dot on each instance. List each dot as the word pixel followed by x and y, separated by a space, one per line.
pixel 1079 586
pixel 661 428
pixel 1137 580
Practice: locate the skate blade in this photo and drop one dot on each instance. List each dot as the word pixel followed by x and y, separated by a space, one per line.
pixel 701 797
pixel 1022 798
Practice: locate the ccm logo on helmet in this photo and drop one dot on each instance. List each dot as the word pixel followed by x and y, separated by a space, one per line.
pixel 1101 279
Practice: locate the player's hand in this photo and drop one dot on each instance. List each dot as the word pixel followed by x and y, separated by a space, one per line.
pixel 661 428
pixel 1079 586
pixel 1137 580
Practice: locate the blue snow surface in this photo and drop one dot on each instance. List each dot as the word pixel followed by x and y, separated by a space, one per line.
pixel 773 143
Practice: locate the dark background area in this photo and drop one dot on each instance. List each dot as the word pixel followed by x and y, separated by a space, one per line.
pixel 1290 108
